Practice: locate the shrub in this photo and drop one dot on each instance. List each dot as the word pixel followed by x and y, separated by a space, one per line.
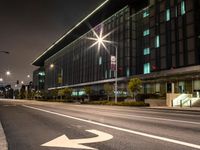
pixel 138 104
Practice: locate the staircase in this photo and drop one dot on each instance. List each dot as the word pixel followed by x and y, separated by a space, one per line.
pixel 185 100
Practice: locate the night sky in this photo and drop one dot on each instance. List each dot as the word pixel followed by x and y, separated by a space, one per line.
pixel 29 27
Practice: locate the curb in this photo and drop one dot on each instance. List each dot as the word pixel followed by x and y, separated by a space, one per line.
pixel 175 109
pixel 3 142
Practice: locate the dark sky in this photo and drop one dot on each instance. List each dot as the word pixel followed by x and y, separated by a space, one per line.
pixel 29 27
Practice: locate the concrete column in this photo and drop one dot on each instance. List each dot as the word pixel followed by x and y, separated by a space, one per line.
pixel 172 87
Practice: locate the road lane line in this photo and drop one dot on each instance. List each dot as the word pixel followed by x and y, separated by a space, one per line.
pixel 156 118
pixel 121 129
pixel 141 116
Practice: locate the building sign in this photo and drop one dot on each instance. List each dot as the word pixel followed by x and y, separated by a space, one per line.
pixel 113 63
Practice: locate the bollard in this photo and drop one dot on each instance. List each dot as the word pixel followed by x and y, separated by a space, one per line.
pixel 190 103
pixel 181 105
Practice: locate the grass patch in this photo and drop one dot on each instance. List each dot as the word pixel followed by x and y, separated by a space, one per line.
pixel 112 103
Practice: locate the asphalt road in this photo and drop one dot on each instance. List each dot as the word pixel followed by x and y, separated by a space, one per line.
pixel 30 125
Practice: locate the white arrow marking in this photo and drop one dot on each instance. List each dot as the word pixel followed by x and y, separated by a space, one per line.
pixel 64 142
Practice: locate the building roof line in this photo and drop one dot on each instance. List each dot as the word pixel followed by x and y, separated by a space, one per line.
pixel 78 24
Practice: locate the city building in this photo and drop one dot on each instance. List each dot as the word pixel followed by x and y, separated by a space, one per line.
pixel 157 41
pixel 38 79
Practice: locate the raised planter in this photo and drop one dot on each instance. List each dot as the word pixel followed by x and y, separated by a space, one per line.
pixel 156 102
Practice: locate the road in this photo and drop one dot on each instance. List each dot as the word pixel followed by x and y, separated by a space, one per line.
pixel 31 125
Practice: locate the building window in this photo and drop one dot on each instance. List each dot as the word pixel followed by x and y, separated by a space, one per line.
pixel 182 7
pixel 167 14
pixel 127 72
pixel 146 32
pixel 106 74
pixel 146 13
pixel 110 73
pixel 157 41
pixel 100 60
pixel 176 11
pixel 146 68
pixel 41 73
pixel 146 51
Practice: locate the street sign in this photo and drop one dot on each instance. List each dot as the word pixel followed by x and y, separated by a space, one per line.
pixel 113 63
pixel 64 142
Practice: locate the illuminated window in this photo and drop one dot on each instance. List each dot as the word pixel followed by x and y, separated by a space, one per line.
pixel 157 41
pixel 146 51
pixel 146 68
pixel 100 60
pixel 182 7
pixel 80 93
pixel 146 13
pixel 176 11
pixel 167 14
pixel 127 72
pixel 41 73
pixel 146 32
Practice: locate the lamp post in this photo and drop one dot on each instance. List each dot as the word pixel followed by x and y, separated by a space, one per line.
pixel 116 66
pixel 100 40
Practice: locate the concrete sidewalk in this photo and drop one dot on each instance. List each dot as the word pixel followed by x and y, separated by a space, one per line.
pixel 3 142
pixel 193 109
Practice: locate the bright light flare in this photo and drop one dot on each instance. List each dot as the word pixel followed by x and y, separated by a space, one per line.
pixel 100 39
pixel 52 66
pixel 8 73
pixel 1 79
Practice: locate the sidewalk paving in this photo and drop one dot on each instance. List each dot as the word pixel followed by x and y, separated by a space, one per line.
pixel 194 109
pixel 3 142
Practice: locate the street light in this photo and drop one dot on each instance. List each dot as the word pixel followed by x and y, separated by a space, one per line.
pixel 1 79
pixel 52 66
pixel 100 40
pixel 8 73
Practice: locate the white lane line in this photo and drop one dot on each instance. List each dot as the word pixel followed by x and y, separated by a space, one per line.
pixel 155 118
pixel 3 142
pixel 138 111
pixel 141 117
pixel 121 129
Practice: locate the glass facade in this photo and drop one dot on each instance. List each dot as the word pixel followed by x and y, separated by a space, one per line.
pixel 82 63
pixel 163 36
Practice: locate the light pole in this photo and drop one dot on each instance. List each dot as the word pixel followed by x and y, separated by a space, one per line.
pixel 100 40
pixel 116 66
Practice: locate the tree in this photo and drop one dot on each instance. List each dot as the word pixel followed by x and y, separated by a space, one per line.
pixel 61 93
pixel 54 93
pixel 22 92
pixel 135 86
pixel 108 88
pixel 68 92
pixel 88 91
